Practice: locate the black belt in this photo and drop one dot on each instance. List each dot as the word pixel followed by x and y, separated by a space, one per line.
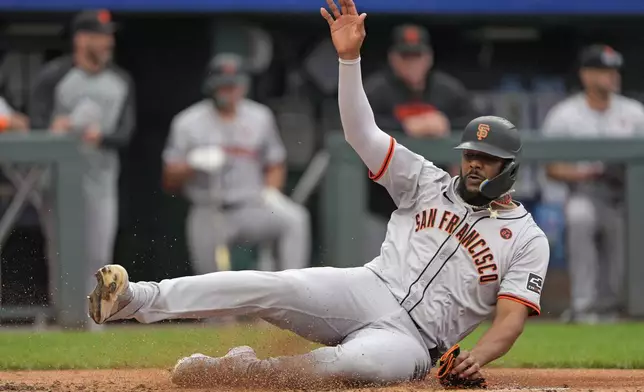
pixel 435 355
pixel 231 206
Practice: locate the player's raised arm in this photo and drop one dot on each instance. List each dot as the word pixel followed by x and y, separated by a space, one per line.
pixel 391 165
pixel 360 129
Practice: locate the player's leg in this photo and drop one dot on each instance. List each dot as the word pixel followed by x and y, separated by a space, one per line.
pixel 612 261
pixel 101 220
pixel 583 262
pixel 101 225
pixel 203 238
pixel 374 355
pixel 380 354
pixel 320 304
pixel 294 243
pixel 276 217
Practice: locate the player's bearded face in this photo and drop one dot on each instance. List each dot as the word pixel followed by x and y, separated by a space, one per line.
pixel 475 168
pixel 100 48
pixel 411 68
pixel 602 81
pixel 227 97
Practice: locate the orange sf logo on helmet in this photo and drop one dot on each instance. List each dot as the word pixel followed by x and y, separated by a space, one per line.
pixel 483 131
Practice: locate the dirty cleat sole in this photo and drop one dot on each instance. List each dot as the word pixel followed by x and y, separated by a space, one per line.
pixel 111 281
pixel 244 352
pixel 200 370
pixel 193 371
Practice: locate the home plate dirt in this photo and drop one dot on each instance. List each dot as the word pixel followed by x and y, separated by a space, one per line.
pixel 147 380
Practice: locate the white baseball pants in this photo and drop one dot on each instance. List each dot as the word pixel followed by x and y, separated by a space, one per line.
pixel 273 219
pixel 596 267
pixel 101 225
pixel 370 337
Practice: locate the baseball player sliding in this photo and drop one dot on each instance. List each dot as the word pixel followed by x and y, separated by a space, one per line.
pixel 457 250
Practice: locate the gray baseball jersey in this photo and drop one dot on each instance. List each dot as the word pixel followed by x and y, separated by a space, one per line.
pixel 61 88
pixel 574 118
pixel 251 142
pixel 106 97
pixel 446 263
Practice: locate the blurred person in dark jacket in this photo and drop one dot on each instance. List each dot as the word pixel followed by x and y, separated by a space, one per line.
pixel 86 94
pixel 411 96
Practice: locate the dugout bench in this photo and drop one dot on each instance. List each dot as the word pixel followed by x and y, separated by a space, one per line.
pixel 344 205
pixel 40 152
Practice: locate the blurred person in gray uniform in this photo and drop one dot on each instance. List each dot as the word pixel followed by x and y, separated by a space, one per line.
pixel 241 202
pixel 87 94
pixel 594 207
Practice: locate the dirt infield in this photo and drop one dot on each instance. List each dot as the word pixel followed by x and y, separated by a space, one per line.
pixel 157 380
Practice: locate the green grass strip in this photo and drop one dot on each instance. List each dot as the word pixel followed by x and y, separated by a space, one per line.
pixel 542 345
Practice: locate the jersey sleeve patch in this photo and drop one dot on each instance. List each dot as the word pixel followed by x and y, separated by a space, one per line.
pixel 534 283
pixel 534 309
pixel 385 162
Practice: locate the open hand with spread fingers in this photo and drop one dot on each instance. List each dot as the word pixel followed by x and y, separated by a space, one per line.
pixel 347 28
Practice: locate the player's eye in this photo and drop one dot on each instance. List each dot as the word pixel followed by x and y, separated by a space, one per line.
pixel 469 156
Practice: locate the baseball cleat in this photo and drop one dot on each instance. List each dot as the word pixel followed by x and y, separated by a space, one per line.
pixel 202 370
pixel 242 352
pixel 111 283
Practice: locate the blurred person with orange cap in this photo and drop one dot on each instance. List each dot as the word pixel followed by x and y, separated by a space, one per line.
pixel 413 97
pixel 88 95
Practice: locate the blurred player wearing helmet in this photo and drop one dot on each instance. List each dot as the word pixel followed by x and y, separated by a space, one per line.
pixel 241 201
pixel 453 255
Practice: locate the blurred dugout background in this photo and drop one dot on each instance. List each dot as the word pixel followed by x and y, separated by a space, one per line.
pixel 517 66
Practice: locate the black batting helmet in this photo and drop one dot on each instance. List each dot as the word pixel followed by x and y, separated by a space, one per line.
pixel 224 69
pixel 497 137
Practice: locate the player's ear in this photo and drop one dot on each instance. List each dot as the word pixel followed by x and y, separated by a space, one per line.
pixel 390 56
pixel 430 59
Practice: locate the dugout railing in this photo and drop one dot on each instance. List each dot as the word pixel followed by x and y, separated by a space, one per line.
pixel 31 161
pixel 27 159
pixel 344 207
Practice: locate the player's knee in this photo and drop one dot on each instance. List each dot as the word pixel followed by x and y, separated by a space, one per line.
pixel 580 212
pixel 384 362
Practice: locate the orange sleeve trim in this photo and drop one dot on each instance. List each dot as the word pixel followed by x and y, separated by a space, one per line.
pixel 534 309
pixel 4 123
pixel 385 162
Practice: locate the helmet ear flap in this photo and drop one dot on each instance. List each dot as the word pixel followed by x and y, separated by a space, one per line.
pixel 514 170
pixel 502 183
